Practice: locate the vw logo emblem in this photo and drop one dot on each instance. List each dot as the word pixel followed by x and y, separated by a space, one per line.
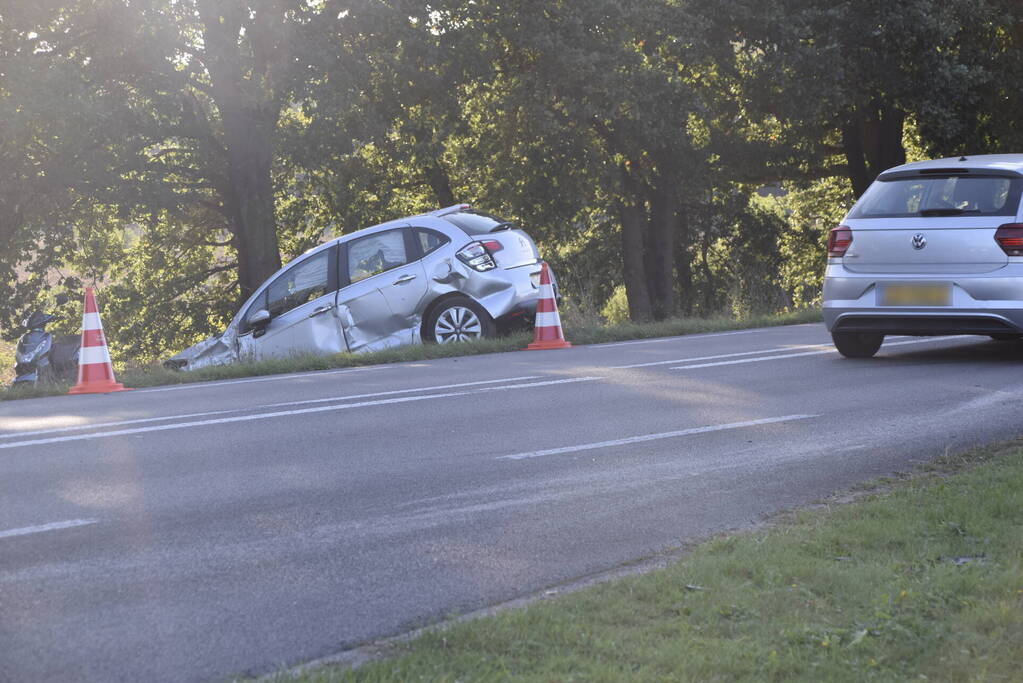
pixel 919 241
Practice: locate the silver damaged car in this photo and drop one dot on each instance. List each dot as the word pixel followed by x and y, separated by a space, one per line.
pixel 451 275
pixel 931 248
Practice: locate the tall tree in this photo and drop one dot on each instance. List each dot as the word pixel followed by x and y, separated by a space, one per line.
pixel 633 81
pixel 844 77
pixel 178 103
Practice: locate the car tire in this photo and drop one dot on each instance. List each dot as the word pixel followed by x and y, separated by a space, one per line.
pixel 857 344
pixel 1006 337
pixel 459 319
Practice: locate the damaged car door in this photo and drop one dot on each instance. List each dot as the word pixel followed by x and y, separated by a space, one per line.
pixel 380 305
pixel 296 313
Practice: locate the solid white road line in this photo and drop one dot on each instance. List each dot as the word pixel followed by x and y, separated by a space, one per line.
pixel 401 391
pixel 805 353
pixel 53 526
pixel 724 355
pixel 271 378
pixel 654 437
pixel 142 420
pixel 119 423
pixel 283 413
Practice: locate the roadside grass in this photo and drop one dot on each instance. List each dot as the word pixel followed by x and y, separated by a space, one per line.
pixel 920 578
pixel 154 374
pixel 6 361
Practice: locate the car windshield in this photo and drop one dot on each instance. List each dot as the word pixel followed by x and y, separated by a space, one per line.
pixel 951 195
pixel 476 222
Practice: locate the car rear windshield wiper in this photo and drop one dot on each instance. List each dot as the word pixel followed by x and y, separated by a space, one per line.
pixel 948 211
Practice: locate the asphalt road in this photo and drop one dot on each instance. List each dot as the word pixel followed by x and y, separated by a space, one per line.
pixel 200 532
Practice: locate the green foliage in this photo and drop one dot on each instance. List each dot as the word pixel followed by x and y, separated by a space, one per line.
pixel 811 210
pixel 173 153
pixel 616 310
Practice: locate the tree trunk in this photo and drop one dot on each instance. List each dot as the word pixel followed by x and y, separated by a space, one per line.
pixel 661 254
pixel 891 150
pixel 634 270
pixel 708 275
pixel 684 262
pixel 440 183
pixel 250 156
pixel 852 144
pixel 872 142
pixel 249 116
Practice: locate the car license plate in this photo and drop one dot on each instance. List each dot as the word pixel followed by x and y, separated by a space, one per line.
pixel 915 294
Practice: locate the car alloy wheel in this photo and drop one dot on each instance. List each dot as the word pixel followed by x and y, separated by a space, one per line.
pixel 457 324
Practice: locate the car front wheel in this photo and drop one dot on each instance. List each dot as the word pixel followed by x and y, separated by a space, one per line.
pixel 857 344
pixel 459 319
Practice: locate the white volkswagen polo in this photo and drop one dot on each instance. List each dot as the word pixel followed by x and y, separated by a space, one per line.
pixel 931 248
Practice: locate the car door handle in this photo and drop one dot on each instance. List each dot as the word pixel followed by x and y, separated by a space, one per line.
pixel 404 278
pixel 321 309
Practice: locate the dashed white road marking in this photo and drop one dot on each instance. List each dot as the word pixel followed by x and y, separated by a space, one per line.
pixel 723 355
pixel 53 526
pixel 753 360
pixel 654 437
pixel 286 413
pixel 798 355
pixel 671 339
pixel 401 391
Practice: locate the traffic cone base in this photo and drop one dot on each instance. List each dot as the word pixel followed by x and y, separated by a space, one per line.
pixel 548 334
pixel 95 371
pixel 98 388
pixel 543 345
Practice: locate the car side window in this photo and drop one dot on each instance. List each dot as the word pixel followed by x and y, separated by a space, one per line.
pixel 307 281
pixel 377 253
pixel 429 240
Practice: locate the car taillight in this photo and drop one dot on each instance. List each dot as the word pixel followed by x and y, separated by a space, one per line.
pixel 493 246
pixel 1010 238
pixel 839 240
pixel 477 257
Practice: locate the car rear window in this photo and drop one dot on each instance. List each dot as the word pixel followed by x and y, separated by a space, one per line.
pixel 476 222
pixel 430 240
pixel 947 195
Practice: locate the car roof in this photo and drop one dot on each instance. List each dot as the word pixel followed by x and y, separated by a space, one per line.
pixel 1003 163
pixel 379 227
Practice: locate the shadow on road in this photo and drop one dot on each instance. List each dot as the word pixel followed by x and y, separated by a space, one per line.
pixel 984 350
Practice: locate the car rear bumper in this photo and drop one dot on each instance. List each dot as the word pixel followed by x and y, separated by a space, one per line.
pixel 989 303
pixel 922 324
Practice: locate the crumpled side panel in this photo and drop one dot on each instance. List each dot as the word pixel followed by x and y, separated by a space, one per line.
pixel 219 349
pixel 492 289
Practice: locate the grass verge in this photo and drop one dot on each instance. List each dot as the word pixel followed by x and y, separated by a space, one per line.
pixel 922 578
pixel 156 375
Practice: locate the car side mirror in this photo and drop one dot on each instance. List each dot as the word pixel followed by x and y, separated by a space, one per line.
pixel 260 318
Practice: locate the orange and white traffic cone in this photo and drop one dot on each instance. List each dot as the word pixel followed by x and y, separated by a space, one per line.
pixel 548 334
pixel 95 372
